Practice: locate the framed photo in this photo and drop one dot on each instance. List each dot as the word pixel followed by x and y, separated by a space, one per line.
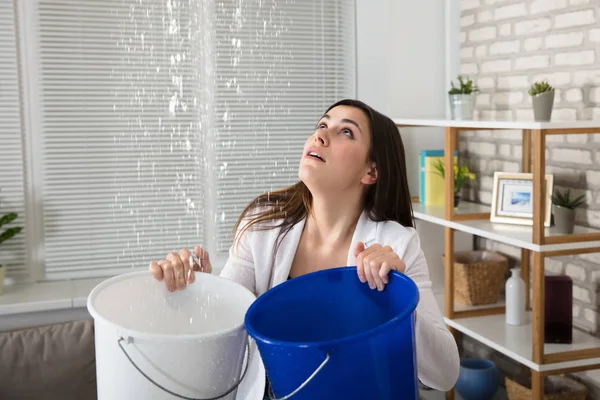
pixel 512 198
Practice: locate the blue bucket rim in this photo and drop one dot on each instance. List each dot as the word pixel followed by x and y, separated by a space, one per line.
pixel 328 343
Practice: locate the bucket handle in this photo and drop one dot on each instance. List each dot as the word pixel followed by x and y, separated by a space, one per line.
pixel 129 340
pixel 306 382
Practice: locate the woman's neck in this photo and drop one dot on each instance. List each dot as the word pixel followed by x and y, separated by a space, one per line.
pixel 333 220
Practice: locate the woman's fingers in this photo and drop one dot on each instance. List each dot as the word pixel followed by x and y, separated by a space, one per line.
pixel 365 258
pixel 205 265
pixel 369 273
pixel 178 270
pixel 384 271
pixel 188 265
pixel 169 275
pixel 156 271
pixel 376 265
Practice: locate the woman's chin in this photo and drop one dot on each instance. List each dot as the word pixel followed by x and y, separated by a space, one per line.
pixel 312 179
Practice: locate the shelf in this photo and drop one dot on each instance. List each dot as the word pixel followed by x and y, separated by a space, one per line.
pixel 437 395
pixel 516 341
pixel 514 235
pixel 459 307
pixel 475 124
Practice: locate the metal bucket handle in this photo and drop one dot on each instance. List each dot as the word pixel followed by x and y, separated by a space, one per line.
pixel 129 340
pixel 306 382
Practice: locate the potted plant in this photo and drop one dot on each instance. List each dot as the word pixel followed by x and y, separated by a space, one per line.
pixel 461 99
pixel 542 96
pixel 461 176
pixel 4 236
pixel 564 210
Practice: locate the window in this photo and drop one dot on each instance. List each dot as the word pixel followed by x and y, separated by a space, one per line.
pixel 155 122
pixel 12 144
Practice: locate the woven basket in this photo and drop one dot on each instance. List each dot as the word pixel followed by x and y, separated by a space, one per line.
pixel 478 276
pixel 555 388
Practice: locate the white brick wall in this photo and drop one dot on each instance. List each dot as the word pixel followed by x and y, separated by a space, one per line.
pixel 572 39
pixel 507 45
pixel 532 26
pixel 543 6
pixel 576 18
pixel 575 58
pixel 511 11
pixel 482 34
pixel 532 62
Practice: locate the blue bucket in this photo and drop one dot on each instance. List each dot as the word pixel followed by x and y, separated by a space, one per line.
pixel 326 335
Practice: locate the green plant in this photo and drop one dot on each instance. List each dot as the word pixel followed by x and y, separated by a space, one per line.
pixel 464 86
pixel 461 174
pixel 565 200
pixel 10 232
pixel 540 87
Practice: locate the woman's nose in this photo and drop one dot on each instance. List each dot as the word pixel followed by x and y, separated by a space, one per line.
pixel 321 137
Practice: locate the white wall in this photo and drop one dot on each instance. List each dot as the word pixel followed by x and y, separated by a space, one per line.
pixel 402 48
pixel 402 69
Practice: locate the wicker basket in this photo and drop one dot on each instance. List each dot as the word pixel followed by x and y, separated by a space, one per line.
pixel 478 276
pixel 555 388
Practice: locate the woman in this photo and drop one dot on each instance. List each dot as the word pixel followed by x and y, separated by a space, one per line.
pixel 351 207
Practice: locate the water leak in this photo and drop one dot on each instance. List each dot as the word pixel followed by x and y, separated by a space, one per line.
pixel 206 122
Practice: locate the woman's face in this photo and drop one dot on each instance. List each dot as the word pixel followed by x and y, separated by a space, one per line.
pixel 336 156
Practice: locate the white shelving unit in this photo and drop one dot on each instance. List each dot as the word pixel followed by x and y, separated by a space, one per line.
pixel 514 235
pixel 515 341
pixel 486 324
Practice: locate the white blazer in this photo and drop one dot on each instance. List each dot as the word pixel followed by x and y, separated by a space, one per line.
pixel 437 353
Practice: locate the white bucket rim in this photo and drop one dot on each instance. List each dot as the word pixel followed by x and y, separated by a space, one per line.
pixel 162 336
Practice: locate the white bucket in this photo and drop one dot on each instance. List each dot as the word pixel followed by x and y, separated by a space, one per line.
pixel 153 344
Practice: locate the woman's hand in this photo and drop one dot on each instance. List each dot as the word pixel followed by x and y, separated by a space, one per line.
pixel 177 269
pixel 374 263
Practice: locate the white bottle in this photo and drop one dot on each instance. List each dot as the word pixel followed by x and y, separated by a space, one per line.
pixel 515 298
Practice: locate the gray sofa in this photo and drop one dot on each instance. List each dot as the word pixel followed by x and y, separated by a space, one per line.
pixel 53 362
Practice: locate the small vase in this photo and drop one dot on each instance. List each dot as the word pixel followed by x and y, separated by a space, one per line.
pixel 478 379
pixel 515 298
pixel 461 106
pixel 565 219
pixel 456 200
pixel 542 105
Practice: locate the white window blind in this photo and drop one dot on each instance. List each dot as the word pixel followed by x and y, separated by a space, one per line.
pixel 279 65
pixel 122 161
pixel 159 120
pixel 12 155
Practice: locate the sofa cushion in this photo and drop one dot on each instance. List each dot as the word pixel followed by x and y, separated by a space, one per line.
pixel 49 362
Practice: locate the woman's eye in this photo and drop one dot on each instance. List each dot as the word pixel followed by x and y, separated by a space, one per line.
pixel 322 126
pixel 348 132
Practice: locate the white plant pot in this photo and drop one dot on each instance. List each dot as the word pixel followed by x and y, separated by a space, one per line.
pixel 461 106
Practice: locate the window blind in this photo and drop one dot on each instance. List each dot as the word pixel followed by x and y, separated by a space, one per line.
pixel 279 65
pixel 122 156
pixel 161 120
pixel 12 155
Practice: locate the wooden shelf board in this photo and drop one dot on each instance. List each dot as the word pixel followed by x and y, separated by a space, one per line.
pixel 458 307
pixel 516 341
pixel 489 124
pixel 515 235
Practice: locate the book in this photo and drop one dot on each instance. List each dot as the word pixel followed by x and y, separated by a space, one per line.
pixel 431 184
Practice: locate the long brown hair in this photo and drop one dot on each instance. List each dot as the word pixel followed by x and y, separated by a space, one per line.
pixel 388 199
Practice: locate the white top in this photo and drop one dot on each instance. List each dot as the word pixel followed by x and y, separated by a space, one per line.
pixel 437 353
pixel 491 124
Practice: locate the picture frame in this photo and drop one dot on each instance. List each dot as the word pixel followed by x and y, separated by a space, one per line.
pixel 512 198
